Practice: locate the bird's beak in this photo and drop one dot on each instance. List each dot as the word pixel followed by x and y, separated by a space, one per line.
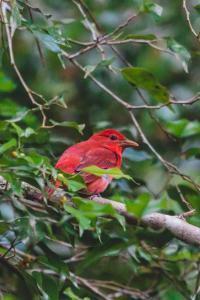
pixel 128 143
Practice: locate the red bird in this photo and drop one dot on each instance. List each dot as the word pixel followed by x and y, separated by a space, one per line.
pixel 103 149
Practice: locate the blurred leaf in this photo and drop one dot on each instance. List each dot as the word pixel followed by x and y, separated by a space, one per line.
pixel 172 294
pixel 106 62
pixel 84 222
pixel 137 206
pixel 89 69
pixel 13 181
pixel 72 296
pixel 9 108
pixel 142 78
pixel 92 210
pixel 183 128
pixel 48 41
pixel 165 204
pixel 50 287
pixel 197 8
pixel 147 37
pixel 191 147
pixel 74 185
pixel 60 248
pixel 135 155
pixel 1 57
pixel 7 146
pixel 111 247
pixel 3 228
pixel 152 7
pixel 6 84
pixel 183 54
pixel 114 172
pixel 28 132
pixel 7 212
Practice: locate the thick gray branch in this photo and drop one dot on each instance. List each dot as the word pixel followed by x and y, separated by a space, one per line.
pixel 178 227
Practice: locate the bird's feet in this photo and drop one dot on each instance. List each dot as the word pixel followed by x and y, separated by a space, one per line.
pixel 95 196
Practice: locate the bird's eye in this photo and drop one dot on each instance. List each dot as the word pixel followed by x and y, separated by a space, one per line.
pixel 113 137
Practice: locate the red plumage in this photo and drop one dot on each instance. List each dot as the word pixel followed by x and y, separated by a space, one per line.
pixel 103 149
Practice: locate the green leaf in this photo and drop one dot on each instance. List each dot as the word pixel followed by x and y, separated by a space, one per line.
pixel 165 203
pixel 50 287
pixel 9 108
pixel 48 41
pixel 197 8
pixel 18 129
pixel 109 248
pixel 92 210
pixel 182 53
pixel 10 144
pixel 84 222
pixel 7 212
pixel 106 62
pixel 191 148
pixel 68 292
pixel 138 206
pixel 1 57
pixel 73 183
pixel 114 172
pixel 74 125
pixel 60 248
pixel 183 128
pixel 3 227
pixel 172 293
pixel 13 181
pixel 148 37
pixel 23 133
pixel 6 84
pixel 152 7
pixel 142 78
pixel 28 132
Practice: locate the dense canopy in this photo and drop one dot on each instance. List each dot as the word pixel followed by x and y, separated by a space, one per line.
pixel 72 68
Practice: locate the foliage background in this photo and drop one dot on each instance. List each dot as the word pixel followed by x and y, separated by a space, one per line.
pixel 53 251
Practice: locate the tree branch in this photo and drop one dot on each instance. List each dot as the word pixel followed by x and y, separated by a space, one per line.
pixel 188 19
pixel 178 227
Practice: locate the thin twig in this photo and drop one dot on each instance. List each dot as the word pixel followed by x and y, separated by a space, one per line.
pixel 188 18
pixel 5 7
pixel 183 199
pixel 121 26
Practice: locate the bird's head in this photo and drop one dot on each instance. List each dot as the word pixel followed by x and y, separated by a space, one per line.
pixel 113 137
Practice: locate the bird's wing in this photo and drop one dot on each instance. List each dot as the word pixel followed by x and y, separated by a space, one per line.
pixel 69 160
pixel 86 154
pixel 100 157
